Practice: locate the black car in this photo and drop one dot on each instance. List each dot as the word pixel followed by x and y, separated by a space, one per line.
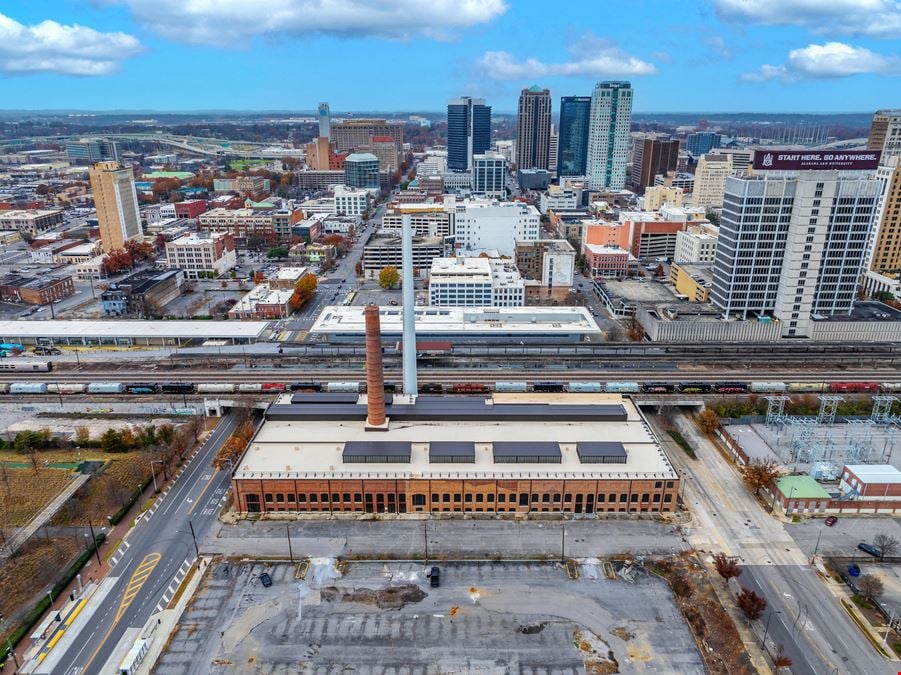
pixel 869 548
pixel 434 576
pixel 265 579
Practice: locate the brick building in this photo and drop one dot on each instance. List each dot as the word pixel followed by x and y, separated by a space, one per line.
pixel 35 291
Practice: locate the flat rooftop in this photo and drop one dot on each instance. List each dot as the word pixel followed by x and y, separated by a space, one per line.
pixel 866 311
pixel 636 290
pixel 313 447
pixel 112 328
pixel 461 320
pixel 875 473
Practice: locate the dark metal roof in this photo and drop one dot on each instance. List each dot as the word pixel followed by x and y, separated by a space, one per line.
pixel 452 451
pixel 530 448
pixel 320 398
pixel 376 451
pixel 454 408
pixel 604 452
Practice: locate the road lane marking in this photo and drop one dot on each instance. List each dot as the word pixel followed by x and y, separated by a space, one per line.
pixel 140 576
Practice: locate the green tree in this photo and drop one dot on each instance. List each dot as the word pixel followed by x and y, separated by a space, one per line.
pixel 389 277
pixel 277 252
pixel 111 442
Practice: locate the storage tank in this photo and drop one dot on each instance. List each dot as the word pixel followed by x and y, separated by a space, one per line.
pixel 215 388
pixel 27 388
pixel 105 388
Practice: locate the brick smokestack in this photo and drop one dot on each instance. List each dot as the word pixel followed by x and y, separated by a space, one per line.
pixel 375 377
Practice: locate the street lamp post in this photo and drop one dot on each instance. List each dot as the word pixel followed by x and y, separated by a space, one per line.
pixel 153 473
pixel 817 547
pixel 194 538
pixel 94 540
pixel 290 551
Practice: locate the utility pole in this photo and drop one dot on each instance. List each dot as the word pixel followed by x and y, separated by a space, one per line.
pixel 194 538
pixel 290 551
pixel 94 539
pixel 425 531
pixel 563 545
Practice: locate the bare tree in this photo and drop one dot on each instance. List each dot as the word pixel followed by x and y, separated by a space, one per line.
pixel 4 477
pixel 870 586
pixel 196 426
pixel 886 544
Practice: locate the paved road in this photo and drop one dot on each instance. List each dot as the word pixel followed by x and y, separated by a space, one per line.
pixel 159 547
pixel 455 539
pixel 807 619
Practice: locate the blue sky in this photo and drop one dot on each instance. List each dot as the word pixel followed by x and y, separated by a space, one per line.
pixel 681 55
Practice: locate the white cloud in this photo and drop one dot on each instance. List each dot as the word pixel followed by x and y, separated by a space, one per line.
pixel 874 18
pixel 233 23
pixel 53 47
pixel 830 60
pixel 720 46
pixel 591 57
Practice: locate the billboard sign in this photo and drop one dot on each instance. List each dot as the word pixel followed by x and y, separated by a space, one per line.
pixel 816 160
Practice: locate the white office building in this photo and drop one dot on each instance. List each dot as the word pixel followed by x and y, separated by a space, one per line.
pixel 793 246
pixel 475 282
pixel 351 201
pixel 489 173
pixel 559 199
pixel 609 135
pixel 435 161
pixel 710 181
pixel 697 244
pixel 481 225
pixel 202 254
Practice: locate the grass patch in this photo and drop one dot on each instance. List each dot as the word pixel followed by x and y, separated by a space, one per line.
pixel 679 439
pixel 861 602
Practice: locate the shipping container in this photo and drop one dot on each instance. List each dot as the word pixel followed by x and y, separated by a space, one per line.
pixel 511 387
pixel 27 388
pixel 105 388
pixel 585 387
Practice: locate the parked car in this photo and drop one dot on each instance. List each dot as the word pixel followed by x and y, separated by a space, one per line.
pixel 265 579
pixel 434 576
pixel 831 520
pixel 869 548
pixel 47 351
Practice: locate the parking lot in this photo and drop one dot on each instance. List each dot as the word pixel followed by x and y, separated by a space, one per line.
pixel 386 618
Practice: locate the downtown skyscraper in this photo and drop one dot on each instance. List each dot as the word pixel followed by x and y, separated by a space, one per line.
pixel 468 131
pixel 572 153
pixel 608 135
pixel 533 123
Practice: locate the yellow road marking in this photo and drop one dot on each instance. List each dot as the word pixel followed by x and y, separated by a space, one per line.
pixel 202 492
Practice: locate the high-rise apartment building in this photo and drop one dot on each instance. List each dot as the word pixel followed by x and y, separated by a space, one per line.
pixel 361 170
pixel 489 174
pixel 701 142
pixel 608 135
pixel 710 181
pixel 886 254
pixel 553 151
pixel 885 133
pixel 575 115
pixel 652 156
pixel 116 201
pixel 533 123
pixel 358 134
pixel 792 246
pixel 92 150
pixel 324 116
pixel 468 131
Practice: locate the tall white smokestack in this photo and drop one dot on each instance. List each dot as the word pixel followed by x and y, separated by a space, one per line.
pixel 409 311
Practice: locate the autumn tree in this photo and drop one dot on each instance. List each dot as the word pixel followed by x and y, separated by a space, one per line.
pixel 116 261
pixel 708 420
pixel 82 436
pixel 759 473
pixel 258 277
pixel 165 433
pixel 42 190
pixel 389 277
pixel 750 603
pixel 727 567
pixel 870 586
pixel 781 660
pixel 235 446
pixel 658 271
pixel 139 250
pixel 303 291
pixel 886 544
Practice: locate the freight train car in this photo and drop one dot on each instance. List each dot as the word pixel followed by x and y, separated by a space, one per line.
pixel 431 388
pixel 854 387
pixel 730 387
pixel 548 387
pixel 26 366
pixel 768 387
pixel 27 388
pixel 585 387
pixel 807 387
pixel 215 388
pixel 142 387
pixel 343 387
pixel 469 388
pixel 305 386
pixel 658 387
pixel 622 387
pixel 105 388
pixel 177 387
pixel 511 387
pixel 693 387
pixel 66 388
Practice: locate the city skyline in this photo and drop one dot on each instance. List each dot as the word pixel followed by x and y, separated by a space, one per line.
pixel 89 56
